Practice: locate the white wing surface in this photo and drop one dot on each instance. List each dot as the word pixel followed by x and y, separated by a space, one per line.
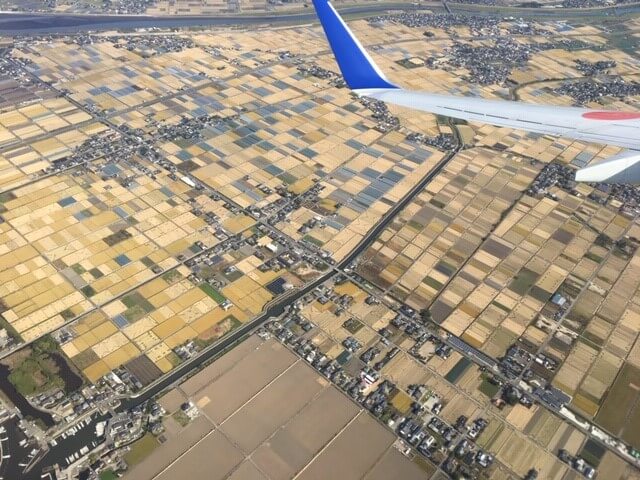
pixel 614 128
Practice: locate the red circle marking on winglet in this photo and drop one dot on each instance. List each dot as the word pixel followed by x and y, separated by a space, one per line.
pixel 611 115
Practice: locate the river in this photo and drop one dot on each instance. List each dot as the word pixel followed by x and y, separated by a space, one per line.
pixel 43 23
pixel 59 23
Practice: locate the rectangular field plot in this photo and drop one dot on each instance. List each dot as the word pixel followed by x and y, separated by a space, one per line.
pixel 24 162
pixel 99 238
pixel 283 421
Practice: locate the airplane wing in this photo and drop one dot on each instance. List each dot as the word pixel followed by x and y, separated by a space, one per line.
pixel 364 77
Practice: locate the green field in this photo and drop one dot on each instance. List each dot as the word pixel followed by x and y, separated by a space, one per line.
pixel 38 372
pixel 488 388
pixel 213 293
pixel 417 226
pixel 137 307
pixel 314 240
pixel 457 370
pixel 88 291
pixel 140 449
pixel 592 452
pixel 433 283
pixel 79 269
pixel 620 401
pixel 172 276
pixel 108 475
pixel 136 299
pixel 181 417
pixel 523 281
pixel 352 326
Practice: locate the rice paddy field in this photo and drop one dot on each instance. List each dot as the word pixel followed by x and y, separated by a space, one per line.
pixel 20 163
pixel 489 268
pixel 98 238
pixel 32 121
pixel 99 252
pixel 521 437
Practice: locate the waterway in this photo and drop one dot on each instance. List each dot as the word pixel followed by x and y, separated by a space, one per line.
pixel 13 454
pixel 66 445
pixel 62 452
pixel 72 381
pixel 50 23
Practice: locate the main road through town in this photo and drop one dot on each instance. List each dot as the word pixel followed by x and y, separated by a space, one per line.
pixel 278 307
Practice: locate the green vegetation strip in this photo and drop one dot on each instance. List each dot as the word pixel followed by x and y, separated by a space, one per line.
pixel 458 369
pixel 488 388
pixel 212 292
pixel 141 449
pixel 310 239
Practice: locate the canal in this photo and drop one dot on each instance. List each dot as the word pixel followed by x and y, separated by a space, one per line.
pixel 70 442
pixel 72 381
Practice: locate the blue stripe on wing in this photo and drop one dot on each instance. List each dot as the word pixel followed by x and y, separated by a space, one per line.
pixel 358 69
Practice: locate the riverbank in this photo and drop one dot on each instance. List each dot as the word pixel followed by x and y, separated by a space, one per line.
pixel 36 23
pixel 15 23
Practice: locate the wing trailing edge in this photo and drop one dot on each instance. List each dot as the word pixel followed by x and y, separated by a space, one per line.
pixel 622 168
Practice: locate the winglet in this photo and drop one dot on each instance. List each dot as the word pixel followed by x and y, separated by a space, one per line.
pixel 621 168
pixel 357 67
